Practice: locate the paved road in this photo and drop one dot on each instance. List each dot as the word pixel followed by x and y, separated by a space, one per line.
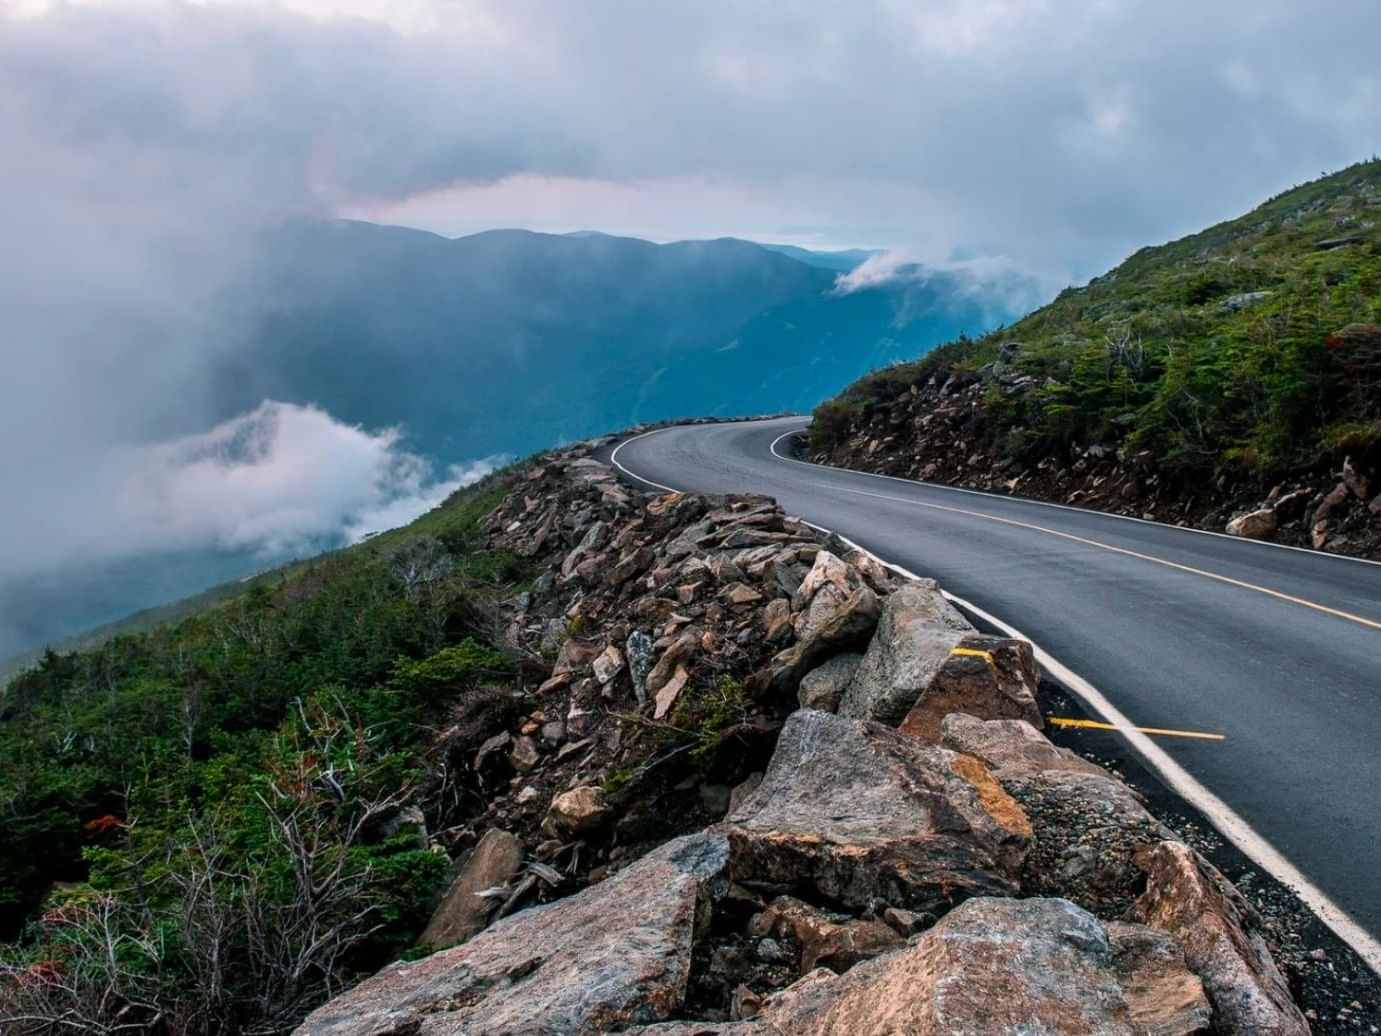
pixel 1294 681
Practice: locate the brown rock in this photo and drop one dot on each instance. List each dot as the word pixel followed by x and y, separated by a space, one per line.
pixel 462 912
pixel 835 942
pixel 607 664
pixel 740 594
pixel 996 967
pixel 862 813
pixel 574 656
pixel 1165 997
pixel 906 922
pixel 676 652
pixel 614 955
pixel 1010 747
pixel 1318 521
pixel 670 691
pixel 524 754
pixel 580 811
pixel 987 677
pixel 556 683
pixel 1355 481
pixel 1186 897
pixel 1255 525
pixel 776 619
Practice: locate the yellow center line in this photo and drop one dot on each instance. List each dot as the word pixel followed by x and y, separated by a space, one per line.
pixel 987 656
pixel 1094 724
pixel 1303 602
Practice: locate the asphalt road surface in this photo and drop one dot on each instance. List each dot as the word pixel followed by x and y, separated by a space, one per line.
pixel 1277 649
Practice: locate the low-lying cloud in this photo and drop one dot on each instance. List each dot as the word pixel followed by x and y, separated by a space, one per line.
pixel 994 283
pixel 284 479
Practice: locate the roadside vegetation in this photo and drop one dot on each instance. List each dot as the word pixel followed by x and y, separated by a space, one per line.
pixel 208 824
pixel 1254 346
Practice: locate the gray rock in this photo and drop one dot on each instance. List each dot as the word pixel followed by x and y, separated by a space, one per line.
pixel 915 633
pixel 822 687
pixel 594 538
pixel 617 954
pixel 770 951
pixel 862 813
pixel 743 790
pixel 1243 300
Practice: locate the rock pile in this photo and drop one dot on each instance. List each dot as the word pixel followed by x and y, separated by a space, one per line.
pixel 940 431
pixel 905 852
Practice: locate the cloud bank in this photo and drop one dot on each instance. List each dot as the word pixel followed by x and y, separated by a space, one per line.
pixel 281 480
pixel 995 283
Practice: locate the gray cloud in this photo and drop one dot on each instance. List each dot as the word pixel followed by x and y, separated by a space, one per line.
pixel 145 141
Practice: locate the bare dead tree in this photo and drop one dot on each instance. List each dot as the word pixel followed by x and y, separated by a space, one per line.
pixel 249 943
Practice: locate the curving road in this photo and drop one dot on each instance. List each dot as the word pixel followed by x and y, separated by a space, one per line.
pixel 1277 649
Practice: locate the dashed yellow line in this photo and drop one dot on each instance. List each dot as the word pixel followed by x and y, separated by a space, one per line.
pixel 1093 724
pixel 1303 602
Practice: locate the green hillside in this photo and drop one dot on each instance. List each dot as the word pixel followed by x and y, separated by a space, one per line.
pixel 1254 345
pixel 226 801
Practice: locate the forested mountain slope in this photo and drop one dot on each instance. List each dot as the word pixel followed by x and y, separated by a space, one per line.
pixel 509 341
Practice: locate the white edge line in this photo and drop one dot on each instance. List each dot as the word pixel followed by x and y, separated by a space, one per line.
pixel 1050 503
pixel 1222 816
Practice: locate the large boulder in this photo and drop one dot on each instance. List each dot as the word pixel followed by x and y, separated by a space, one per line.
pixel 915 634
pixel 617 954
pixel 999 967
pixel 987 677
pixel 1010 747
pixel 1188 898
pixel 463 911
pixel 1090 831
pixel 860 813
pixel 1091 835
pixel 1164 996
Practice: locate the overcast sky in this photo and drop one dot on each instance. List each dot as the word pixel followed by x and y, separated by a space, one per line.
pixel 1062 133
pixel 144 139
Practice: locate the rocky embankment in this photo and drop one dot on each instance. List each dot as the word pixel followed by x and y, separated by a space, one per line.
pixel 940 431
pixel 758 784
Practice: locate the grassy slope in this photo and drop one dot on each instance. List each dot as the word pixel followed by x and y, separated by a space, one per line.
pixel 182 717
pixel 1154 355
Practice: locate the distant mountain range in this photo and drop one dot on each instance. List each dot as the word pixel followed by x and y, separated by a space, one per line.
pixel 506 342
pixel 509 341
